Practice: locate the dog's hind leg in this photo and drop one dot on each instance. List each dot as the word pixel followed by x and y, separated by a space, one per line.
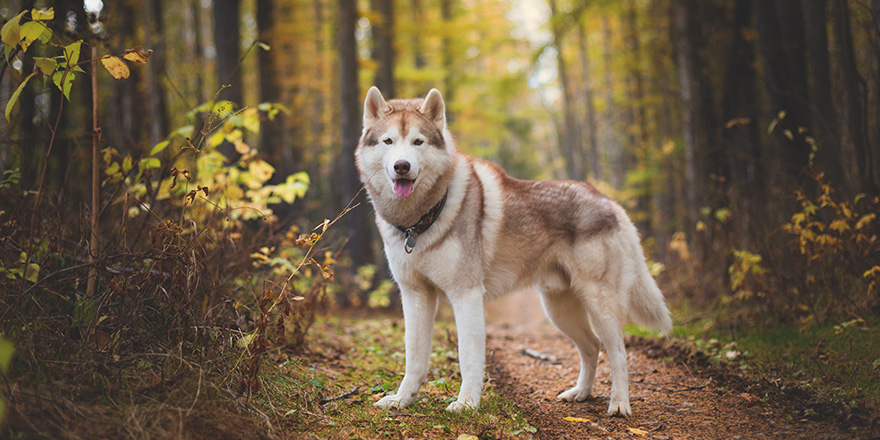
pixel 419 310
pixel 569 315
pixel 610 331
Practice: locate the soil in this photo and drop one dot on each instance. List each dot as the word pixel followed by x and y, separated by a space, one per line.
pixel 674 393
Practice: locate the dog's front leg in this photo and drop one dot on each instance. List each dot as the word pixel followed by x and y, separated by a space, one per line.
pixel 418 316
pixel 471 326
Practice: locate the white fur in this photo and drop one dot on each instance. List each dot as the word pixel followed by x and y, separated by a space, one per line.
pixel 599 278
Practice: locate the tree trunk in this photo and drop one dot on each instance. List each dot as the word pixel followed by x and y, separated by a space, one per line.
pixel 418 17
pixel 569 138
pixel 383 46
pixel 127 119
pixel 357 224
pixel 447 57
pixel 592 143
pixel 874 98
pixel 688 71
pixel 828 158
pixel 612 146
pixel 852 104
pixel 781 43
pixel 197 51
pixel 155 69
pixel 636 117
pixel 739 132
pixel 227 43
pixel 272 139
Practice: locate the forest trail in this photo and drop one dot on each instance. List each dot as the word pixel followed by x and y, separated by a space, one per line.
pixel 669 399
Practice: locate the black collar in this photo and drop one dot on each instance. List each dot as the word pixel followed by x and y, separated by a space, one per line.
pixel 422 225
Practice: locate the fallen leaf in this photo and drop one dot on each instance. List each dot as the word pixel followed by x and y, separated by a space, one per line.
pixel 751 398
pixel 576 419
pixel 100 339
pixel 468 437
pixel 637 431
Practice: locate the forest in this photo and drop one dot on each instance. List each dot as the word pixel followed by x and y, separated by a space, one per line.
pixel 186 249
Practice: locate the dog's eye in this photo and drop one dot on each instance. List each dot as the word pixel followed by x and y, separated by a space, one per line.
pixel 388 141
pixel 418 142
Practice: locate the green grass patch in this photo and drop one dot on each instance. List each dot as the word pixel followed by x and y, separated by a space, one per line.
pixel 329 393
pixel 837 363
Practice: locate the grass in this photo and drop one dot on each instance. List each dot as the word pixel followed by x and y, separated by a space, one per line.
pixel 367 356
pixel 836 363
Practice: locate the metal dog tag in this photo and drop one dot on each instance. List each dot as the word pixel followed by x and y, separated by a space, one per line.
pixel 409 241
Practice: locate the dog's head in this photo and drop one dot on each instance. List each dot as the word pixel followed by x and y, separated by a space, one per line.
pixel 405 150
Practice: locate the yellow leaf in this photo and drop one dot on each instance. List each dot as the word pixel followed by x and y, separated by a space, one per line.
pixel 137 55
pixel 839 226
pixel 865 220
pixel 577 419
pixel 242 148
pixel 117 68
pixel 637 431
pixel 42 14
pixel 467 437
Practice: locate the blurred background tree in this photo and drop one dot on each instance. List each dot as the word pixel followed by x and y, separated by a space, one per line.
pixel 704 118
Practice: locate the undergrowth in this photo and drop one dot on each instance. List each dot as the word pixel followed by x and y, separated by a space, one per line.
pixel 352 364
pixel 195 280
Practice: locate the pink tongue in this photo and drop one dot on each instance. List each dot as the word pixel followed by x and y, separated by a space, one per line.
pixel 403 187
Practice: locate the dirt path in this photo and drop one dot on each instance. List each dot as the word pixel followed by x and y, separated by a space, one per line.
pixel 669 399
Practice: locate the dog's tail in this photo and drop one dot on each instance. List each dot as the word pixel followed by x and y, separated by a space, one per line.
pixel 646 304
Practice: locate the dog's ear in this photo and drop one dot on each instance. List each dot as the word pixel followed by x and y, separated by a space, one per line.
pixel 374 107
pixel 434 109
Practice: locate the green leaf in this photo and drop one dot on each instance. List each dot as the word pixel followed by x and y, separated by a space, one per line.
pixel 316 383
pixel 30 32
pixel 185 131
pixel 126 165
pixel 10 33
pixel 63 79
pixel 46 65
pixel 250 119
pixel 7 349
pixel 14 98
pixel 71 51
pixel 43 14
pixel 149 163
pixel 159 147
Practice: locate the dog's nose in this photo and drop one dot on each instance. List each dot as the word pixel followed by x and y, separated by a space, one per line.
pixel 401 167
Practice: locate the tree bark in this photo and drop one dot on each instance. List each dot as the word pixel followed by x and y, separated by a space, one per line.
pixel 273 144
pixel 127 121
pixel 156 100
pixel 687 73
pixel 612 145
pixel 636 116
pixel 418 17
pixel 383 47
pixel 781 43
pixel 854 127
pixel 739 132
pixel 569 138
pixel 592 143
pixel 227 43
pixel 447 57
pixel 828 158
pixel 357 224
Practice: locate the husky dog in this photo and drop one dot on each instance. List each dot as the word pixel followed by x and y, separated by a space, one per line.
pixel 460 226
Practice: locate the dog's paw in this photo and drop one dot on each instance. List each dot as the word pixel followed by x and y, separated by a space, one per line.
pixel 620 408
pixel 393 401
pixel 575 394
pixel 459 406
